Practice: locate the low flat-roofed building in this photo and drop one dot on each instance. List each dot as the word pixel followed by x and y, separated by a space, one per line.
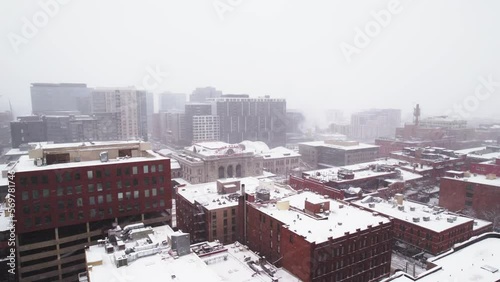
pixel 473 260
pixel 471 193
pixel 157 257
pixel 320 239
pixel 329 153
pixel 211 211
pixel 430 229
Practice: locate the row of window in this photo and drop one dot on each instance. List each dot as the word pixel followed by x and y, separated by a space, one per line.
pixel 91 188
pixel 68 176
pixel 93 213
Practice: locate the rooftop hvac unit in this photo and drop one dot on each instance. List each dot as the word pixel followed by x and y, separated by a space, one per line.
pixel 103 156
pixel 401 207
pixel 109 249
pixel 416 219
pixel 427 218
pixel 450 220
pixel 371 205
pixel 412 208
pixel 121 261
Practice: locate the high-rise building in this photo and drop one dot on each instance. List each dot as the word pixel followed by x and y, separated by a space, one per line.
pixel 5 119
pixel 371 124
pixel 64 129
pixel 191 110
pixel 255 119
pixel 53 98
pixel 202 94
pixel 169 128
pixel 130 105
pixel 206 128
pixel 68 195
pixel 172 101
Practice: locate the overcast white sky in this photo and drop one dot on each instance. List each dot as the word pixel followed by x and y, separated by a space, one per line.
pixel 431 52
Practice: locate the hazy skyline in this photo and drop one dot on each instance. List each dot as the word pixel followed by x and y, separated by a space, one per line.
pixel 429 52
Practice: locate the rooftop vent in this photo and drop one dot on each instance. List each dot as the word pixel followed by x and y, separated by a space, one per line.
pixel 341 206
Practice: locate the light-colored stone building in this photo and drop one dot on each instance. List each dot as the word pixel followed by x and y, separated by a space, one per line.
pixel 209 161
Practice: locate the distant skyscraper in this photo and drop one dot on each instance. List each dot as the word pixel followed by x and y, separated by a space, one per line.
pixel 191 110
pixel 206 128
pixel 52 98
pixel 130 105
pixel 201 95
pixel 371 124
pixel 172 101
pixel 255 119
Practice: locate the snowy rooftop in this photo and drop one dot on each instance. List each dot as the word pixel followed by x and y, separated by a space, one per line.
pixel 474 260
pixel 341 217
pixel 228 264
pixel 206 193
pixel 479 179
pixel 336 145
pixel 27 164
pixel 432 218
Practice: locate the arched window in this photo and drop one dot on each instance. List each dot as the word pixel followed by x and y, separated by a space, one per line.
pixel 230 171
pixel 221 172
pixel 238 170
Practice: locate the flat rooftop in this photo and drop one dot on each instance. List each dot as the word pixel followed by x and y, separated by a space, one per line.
pixel 226 263
pixel 474 260
pixel 478 179
pixel 438 217
pixel 341 217
pixel 206 193
pixel 89 154
pixel 349 147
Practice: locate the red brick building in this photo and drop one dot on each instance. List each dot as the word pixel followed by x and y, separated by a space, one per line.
pixel 433 230
pixel 68 195
pixel 320 239
pixel 474 194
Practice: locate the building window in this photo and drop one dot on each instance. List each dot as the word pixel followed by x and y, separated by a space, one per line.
pixel 46 193
pixel 98 174
pixel 79 202
pixel 99 187
pixel 25 195
pixel 146 193
pixel 118 172
pixel 35 194
pixel 34 180
pixel 60 191
pixel 120 196
pixel 90 174
pixel 69 190
pixel 153 192
pixel 153 168
pixel 146 169
pixel 134 170
pixel 136 194
pixel 90 187
pixel 160 168
pixel 100 199
pixel 92 200
pixel 78 189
